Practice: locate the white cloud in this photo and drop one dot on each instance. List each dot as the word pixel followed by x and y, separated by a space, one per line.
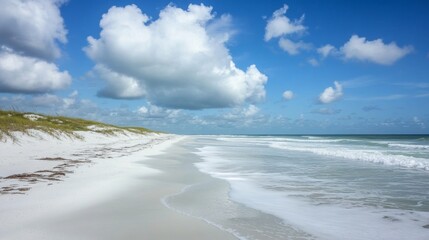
pixel 177 61
pixel 152 111
pixel 239 117
pixel 291 47
pixel 331 94
pixel 235 118
pixel 29 33
pixel 288 95
pixel 221 29
pixel 313 62
pixel 373 51
pixel 326 50
pixel 54 101
pixel 30 75
pixel 251 110
pixel 143 110
pixel 119 85
pixel 32 27
pixel 196 120
pixel 280 25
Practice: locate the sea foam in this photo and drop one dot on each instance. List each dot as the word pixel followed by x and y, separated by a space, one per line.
pixel 252 186
pixel 375 156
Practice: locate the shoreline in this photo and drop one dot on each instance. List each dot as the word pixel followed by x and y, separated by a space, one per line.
pixel 208 198
pixel 114 196
pixel 162 186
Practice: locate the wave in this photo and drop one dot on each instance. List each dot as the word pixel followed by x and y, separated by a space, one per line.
pixel 331 221
pixel 312 140
pixel 408 146
pixel 284 139
pixel 362 155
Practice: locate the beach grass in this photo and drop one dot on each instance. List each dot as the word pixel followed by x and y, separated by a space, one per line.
pixel 13 121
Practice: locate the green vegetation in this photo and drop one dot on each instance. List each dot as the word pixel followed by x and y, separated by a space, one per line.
pixel 11 121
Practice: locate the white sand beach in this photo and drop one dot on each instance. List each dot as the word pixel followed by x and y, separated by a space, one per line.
pixel 97 187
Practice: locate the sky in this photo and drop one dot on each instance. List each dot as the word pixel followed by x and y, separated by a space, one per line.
pixel 221 67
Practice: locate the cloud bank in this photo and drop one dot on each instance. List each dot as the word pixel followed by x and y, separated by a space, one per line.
pixel 29 33
pixel 176 61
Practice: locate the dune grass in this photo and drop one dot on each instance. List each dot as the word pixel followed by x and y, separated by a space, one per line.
pixel 12 121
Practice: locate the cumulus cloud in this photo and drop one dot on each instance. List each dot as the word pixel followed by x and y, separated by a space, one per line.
pixel 280 26
pixel 29 33
pixel 361 49
pixel 119 85
pixel 222 28
pixel 32 27
pixel 239 117
pixel 29 75
pixel 373 51
pixel 331 94
pixel 143 110
pixel 251 110
pixel 326 50
pixel 293 48
pixel 176 61
pixel 185 121
pixel 288 95
pixel 152 111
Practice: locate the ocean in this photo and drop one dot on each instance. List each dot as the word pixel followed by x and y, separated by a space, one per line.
pixel 312 187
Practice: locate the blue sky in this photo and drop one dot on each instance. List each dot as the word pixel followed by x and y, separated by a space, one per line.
pixel 225 67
